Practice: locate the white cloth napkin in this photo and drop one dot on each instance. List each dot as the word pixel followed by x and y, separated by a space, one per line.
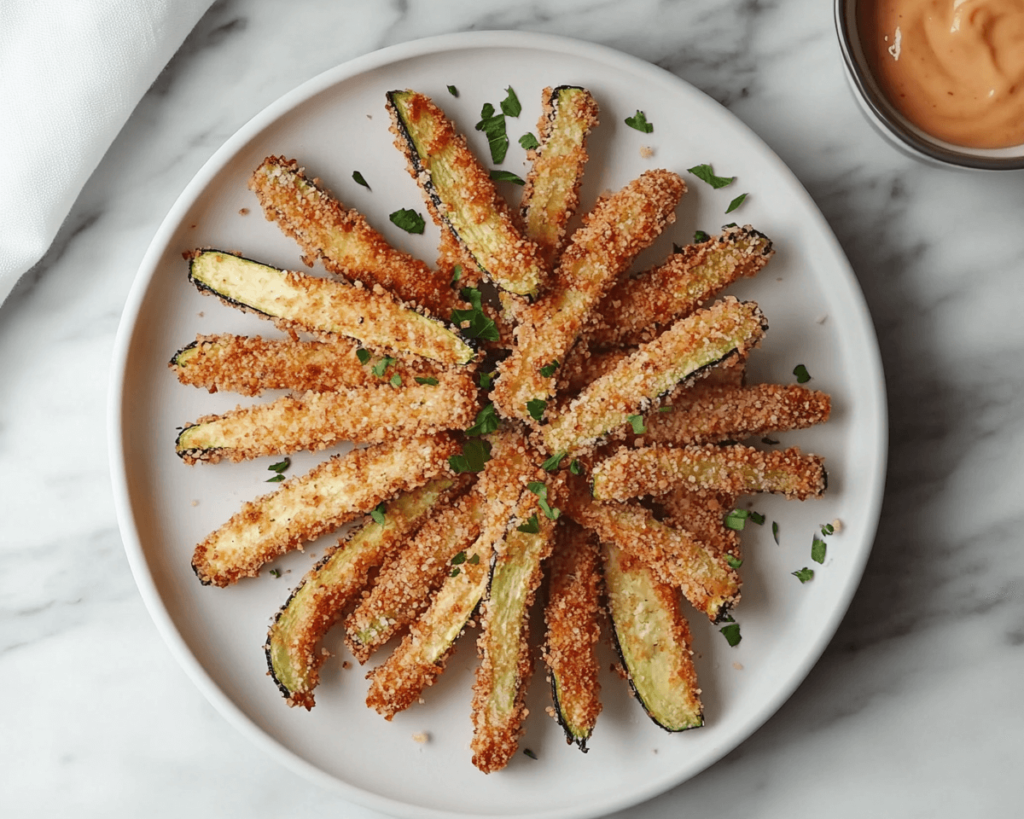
pixel 71 71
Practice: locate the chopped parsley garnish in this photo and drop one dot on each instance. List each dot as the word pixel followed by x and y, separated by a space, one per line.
pixel 804 574
pixel 733 561
pixel 639 122
pixel 828 529
pixel 529 753
pixel 775 532
pixel 485 380
pixel 381 366
pixel 706 174
pixel 275 479
pixel 507 176
pixel 459 558
pixel 456 273
pixel 275 572
pixel 396 380
pixel 540 489
pixel 455 572
pixel 493 126
pixel 510 106
pixel 529 141
pixel 700 236
pixel 475 455
pixel 575 467
pixel 735 203
pixel 429 380
pixel 536 407
pixel 358 177
pixel 363 356
pixel 474 560
pixel 551 464
pixel 280 466
pixel 802 376
pixel 378 513
pixel 731 224
pixel 486 422
pixel 408 220
pixel 666 408
pixel 453 90
pixel 479 325
pixel 818 549
pixel 473 296
pixel 637 422
pixel 757 517
pixel 736 519
pixel 531 527
pixel 731 634
pixel 548 370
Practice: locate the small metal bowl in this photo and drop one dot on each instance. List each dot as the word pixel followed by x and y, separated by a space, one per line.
pixel 896 128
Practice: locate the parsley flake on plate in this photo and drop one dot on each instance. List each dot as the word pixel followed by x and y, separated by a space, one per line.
pixel 802 376
pixel 804 574
pixel 453 90
pixel 735 203
pixel 408 220
pixel 736 519
pixel 486 422
pixel 280 466
pixel 551 464
pixel 507 176
pixel 639 122
pixel 700 236
pixel 706 174
pixel 536 407
pixel 531 527
pixel 818 549
pixel 358 177
pixel 475 455
pixel 731 634
pixel 510 106
pixel 733 561
pixel 378 513
pixel 493 127
pixel 529 141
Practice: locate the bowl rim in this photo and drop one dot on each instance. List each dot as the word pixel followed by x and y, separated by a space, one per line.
pixel 884 115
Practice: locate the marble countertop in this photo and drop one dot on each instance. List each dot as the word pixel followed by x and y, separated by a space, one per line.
pixel 910 712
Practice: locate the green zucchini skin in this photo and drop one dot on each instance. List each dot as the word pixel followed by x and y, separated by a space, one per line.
pixel 656 652
pixel 372 321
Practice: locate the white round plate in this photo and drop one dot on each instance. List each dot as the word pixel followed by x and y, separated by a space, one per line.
pixel 336 124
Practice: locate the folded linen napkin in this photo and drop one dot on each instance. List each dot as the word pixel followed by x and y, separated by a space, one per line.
pixel 71 72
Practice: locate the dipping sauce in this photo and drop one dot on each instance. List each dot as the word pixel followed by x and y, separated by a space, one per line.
pixel 954 68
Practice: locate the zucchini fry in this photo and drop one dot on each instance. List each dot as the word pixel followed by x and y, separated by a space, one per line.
pixel 572 632
pixel 293 658
pixel 712 413
pixel 342 239
pixel 551 193
pixel 653 639
pixel 326 308
pixel 676 557
pixel 303 508
pixel 249 365
pixel 619 227
pixel 317 420
pixel 420 658
pixel 737 469
pixel 701 512
pixel 637 309
pixel 460 195
pixel 727 329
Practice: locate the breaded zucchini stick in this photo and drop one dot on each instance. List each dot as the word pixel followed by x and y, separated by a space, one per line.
pixel 342 239
pixel 317 420
pixel 499 691
pixel 715 414
pixel 653 639
pixel 676 557
pixel 303 508
pixel 654 470
pixel 292 647
pixel 551 193
pixel 727 329
pixel 420 658
pixel 250 364
pixel 460 195
pixel 701 512
pixel 619 227
pixel 636 310
pixel 571 615
pixel 326 308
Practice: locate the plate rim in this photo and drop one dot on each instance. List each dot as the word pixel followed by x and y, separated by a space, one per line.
pixel 859 315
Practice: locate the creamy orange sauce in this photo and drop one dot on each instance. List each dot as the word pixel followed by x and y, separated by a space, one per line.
pixel 954 68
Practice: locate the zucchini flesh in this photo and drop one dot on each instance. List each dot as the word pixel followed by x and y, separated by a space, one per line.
pixel 653 639
pixel 303 508
pixel 572 632
pixel 342 239
pixel 293 658
pixel 727 329
pixel 636 309
pixel 738 469
pixel 321 306
pixel 499 691
pixel 317 420
pixel 551 193
pixel 677 557
pixel 461 196
pixel 620 227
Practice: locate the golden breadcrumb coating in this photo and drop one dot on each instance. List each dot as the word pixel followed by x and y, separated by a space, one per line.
pixel 701 512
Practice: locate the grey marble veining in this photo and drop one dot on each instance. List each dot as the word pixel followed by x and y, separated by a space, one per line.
pixel 912 710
